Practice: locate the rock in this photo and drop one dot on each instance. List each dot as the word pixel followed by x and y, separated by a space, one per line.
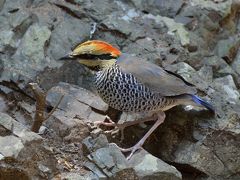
pixel 10 146
pixel 174 28
pixel 2 4
pixel 18 130
pixel 131 31
pixel 99 11
pixel 110 160
pixel 6 39
pixel 3 104
pixel 177 29
pixel 149 167
pixel 90 145
pixel 223 8
pixel 76 133
pixel 94 116
pixel 190 75
pixel 208 155
pixel 97 172
pixel 227 48
pixel 59 47
pixel 76 176
pixel 106 160
pixel 236 63
pixel 160 7
pixel 130 15
pixel 31 54
pixel 219 66
pixel 17 19
pixel 32 45
pixel 70 72
pixel 66 127
pixel 232 124
pixel 11 7
pixel 21 146
pixel 206 73
pixel 183 69
pixel 79 94
pixel 227 87
pixel 76 109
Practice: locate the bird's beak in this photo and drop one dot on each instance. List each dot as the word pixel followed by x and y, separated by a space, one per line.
pixel 68 56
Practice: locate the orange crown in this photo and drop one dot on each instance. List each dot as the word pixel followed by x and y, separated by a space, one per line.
pixel 96 47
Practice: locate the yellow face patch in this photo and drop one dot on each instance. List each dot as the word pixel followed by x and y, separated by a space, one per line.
pixel 97 63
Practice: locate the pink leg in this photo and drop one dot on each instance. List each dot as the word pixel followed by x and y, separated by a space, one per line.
pixel 133 149
pixel 110 123
pixel 121 127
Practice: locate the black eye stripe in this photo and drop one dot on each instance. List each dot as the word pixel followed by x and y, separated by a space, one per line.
pixel 93 56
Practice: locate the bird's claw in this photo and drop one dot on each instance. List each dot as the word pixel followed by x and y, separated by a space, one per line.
pixel 110 123
pixel 133 149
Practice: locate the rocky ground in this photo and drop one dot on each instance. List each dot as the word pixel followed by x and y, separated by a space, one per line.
pixel 198 39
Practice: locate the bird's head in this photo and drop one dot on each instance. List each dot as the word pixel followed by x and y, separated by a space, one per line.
pixel 94 54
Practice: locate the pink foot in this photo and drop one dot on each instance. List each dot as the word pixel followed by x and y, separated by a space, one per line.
pixel 133 149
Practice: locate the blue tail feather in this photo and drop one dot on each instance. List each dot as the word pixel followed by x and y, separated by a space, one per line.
pixel 200 101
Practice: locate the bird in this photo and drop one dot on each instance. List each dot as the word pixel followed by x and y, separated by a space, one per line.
pixel 133 85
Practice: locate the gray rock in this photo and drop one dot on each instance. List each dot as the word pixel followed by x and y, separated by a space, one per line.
pixel 232 124
pixel 66 127
pixel 190 75
pixel 18 129
pixel 16 19
pixel 160 7
pixel 72 31
pixel 18 143
pixel 78 176
pixel 174 28
pixel 76 93
pixel 223 8
pixel 99 10
pixel 206 73
pixel 90 145
pixel 31 48
pixel 71 72
pixel 10 6
pixel 96 170
pixel 149 167
pixel 74 112
pixel 11 146
pixel 1 157
pixel 2 4
pixel 106 160
pixel 199 157
pixel 76 133
pixel 6 39
pixel 183 69
pixel 3 105
pixel 227 87
pixel 30 57
pixel 115 21
pixel 5 24
pixel 96 117
pixel 236 63
pixel 209 157
pixel 109 159
pixel 227 48
pixel 219 66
